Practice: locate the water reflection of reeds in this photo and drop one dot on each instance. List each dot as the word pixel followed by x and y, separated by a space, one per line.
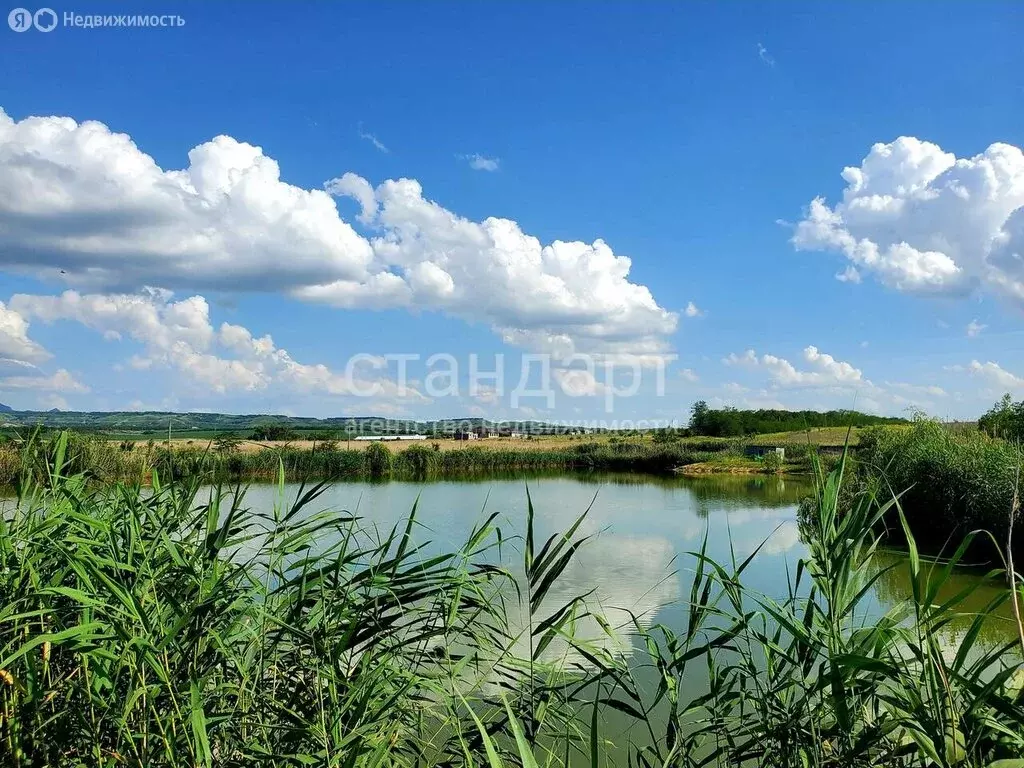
pixel 978 587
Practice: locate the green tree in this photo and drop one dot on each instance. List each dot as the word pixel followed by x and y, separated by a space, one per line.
pixel 274 432
pixel 226 443
pixel 1005 419
pixel 699 417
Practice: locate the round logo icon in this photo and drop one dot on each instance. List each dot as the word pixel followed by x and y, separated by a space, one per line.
pixel 20 20
pixel 45 20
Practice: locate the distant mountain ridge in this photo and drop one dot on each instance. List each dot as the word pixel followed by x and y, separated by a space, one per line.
pixel 160 421
pixel 156 423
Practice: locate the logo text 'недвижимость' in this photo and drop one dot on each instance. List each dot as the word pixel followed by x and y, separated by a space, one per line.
pixel 47 20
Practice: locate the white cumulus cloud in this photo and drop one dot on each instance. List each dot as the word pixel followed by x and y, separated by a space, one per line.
pixel 823 370
pixel 60 381
pixel 79 197
pixel 747 360
pixel 483 163
pixel 563 298
pixel 179 335
pixel 922 220
pixel 838 384
pixel 15 345
pixel 991 372
pixel 577 382
pixel 974 328
pixel 83 202
pixel 849 275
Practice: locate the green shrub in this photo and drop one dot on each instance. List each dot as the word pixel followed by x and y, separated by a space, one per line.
pixel 274 432
pixel 227 443
pixel 809 681
pixel 952 482
pixel 378 459
pixel 1005 419
pixel 417 460
pixel 665 435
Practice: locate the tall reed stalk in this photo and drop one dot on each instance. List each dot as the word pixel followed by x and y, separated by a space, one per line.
pixel 823 677
pixel 173 626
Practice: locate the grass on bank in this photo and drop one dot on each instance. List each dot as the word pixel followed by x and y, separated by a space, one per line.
pixel 225 459
pixel 169 628
pixel 952 481
pixel 829 437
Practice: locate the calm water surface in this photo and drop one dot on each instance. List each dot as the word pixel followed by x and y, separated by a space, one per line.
pixel 638 560
pixel 643 530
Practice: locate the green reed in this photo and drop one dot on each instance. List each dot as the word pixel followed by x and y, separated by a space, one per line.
pixel 953 482
pixel 108 461
pixel 174 626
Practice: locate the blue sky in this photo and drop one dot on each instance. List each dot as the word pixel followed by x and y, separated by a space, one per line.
pixel 689 138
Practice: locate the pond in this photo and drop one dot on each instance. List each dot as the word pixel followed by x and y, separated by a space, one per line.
pixel 640 527
pixel 643 531
pixel 637 561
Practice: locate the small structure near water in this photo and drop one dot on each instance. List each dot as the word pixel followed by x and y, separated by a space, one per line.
pixel 760 451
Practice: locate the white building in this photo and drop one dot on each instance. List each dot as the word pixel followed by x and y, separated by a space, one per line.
pixel 384 438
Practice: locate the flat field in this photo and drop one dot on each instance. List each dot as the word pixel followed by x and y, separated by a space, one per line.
pixel 541 443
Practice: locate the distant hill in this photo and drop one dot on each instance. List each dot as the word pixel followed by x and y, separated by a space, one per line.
pixel 6 408
pixel 723 423
pixel 157 423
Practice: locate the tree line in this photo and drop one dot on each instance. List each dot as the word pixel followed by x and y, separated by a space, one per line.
pixel 732 422
pixel 1005 419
